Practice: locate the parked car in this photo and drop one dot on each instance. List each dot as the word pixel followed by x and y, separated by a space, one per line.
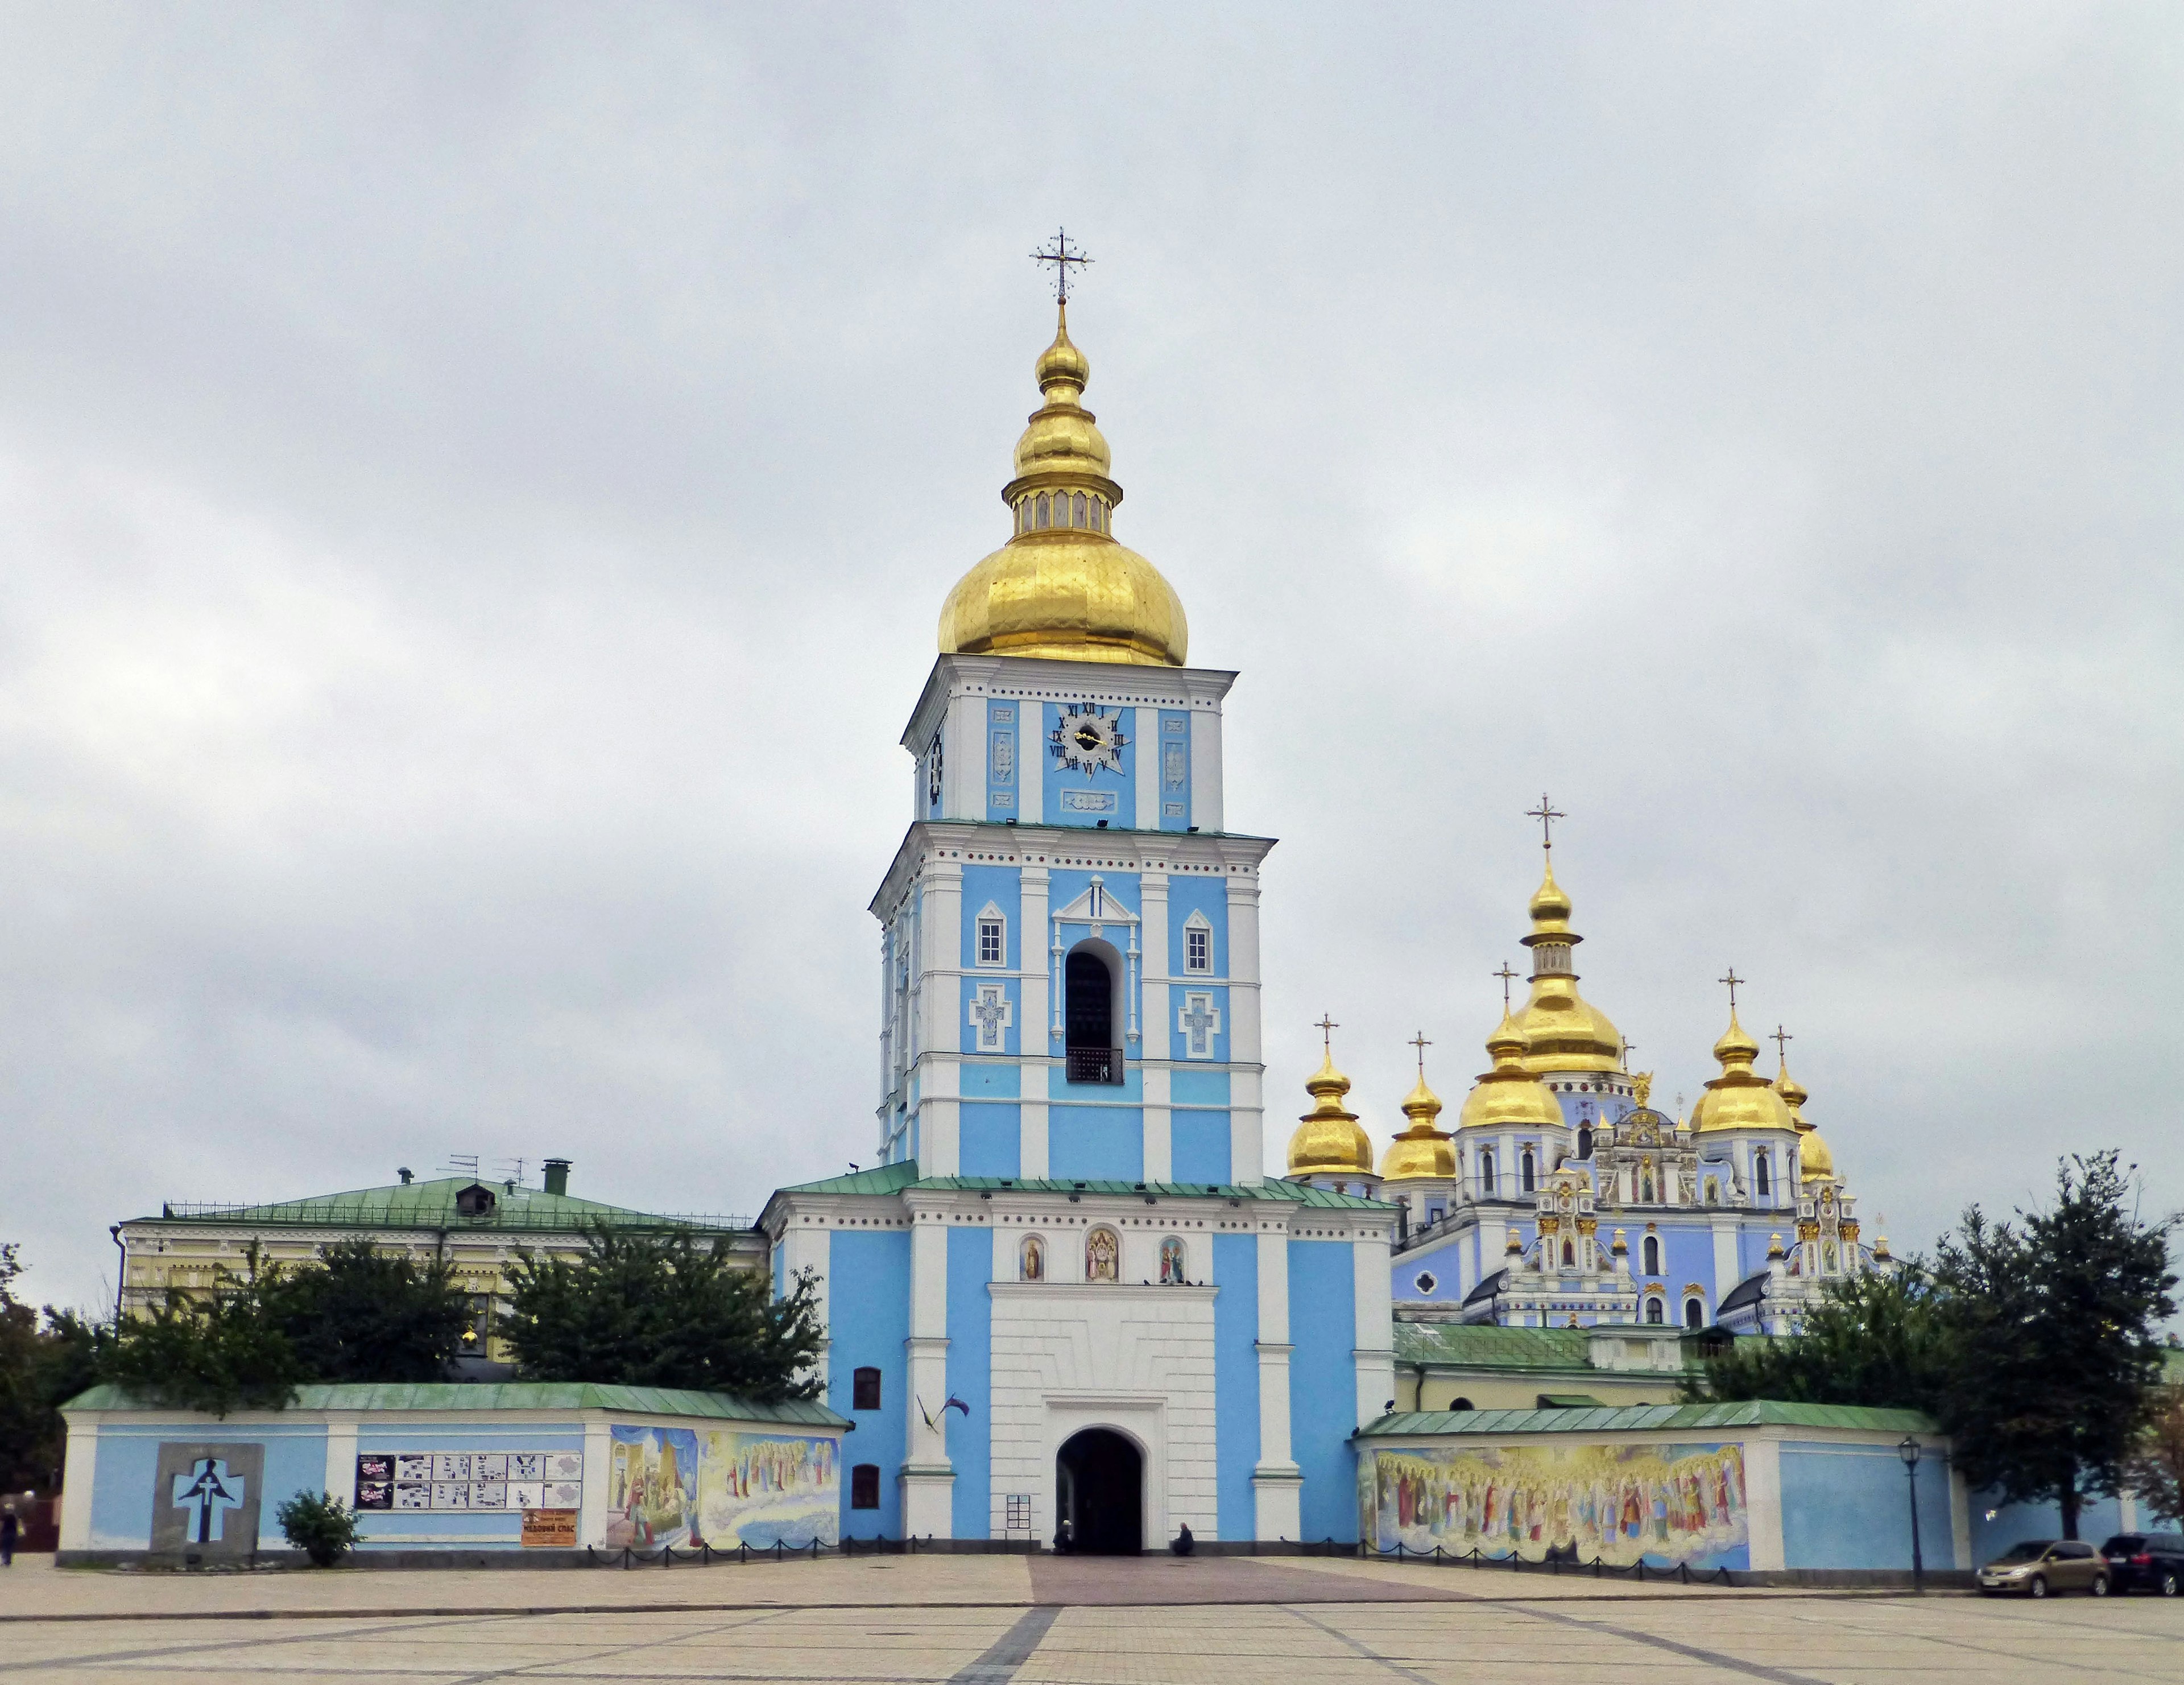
pixel 2154 1561
pixel 2039 1566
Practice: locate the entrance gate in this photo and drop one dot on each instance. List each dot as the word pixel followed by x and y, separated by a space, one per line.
pixel 1100 1489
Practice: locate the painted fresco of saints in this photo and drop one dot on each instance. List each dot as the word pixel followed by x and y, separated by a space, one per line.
pixel 1034 1258
pixel 1102 1256
pixel 1172 1262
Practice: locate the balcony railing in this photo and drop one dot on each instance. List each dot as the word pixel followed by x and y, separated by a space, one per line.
pixel 1096 1064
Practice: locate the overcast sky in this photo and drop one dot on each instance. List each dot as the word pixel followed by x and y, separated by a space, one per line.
pixel 477 484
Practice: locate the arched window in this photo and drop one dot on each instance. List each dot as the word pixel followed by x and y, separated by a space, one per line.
pixel 1032 1265
pixel 1088 1018
pixel 1099 515
pixel 1652 1255
pixel 1023 514
pixel 1569 1256
pixel 1043 516
pixel 1076 516
pixel 1713 1191
pixel 1103 1255
pixel 1762 1175
pixel 1461 1404
pixel 1172 1270
pixel 1487 1170
pixel 1646 1187
pixel 1694 1312
pixel 865 1390
pixel 1531 1183
pixel 1584 1142
pixel 865 1487
pixel 1653 1313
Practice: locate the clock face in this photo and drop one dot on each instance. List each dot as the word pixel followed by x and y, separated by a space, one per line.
pixel 1089 740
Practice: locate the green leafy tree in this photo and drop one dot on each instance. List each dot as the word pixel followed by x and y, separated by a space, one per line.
pixel 361 1314
pixel 1871 1339
pixel 662 1309
pixel 2054 1357
pixel 216 1352
pixel 320 1525
pixel 46 1358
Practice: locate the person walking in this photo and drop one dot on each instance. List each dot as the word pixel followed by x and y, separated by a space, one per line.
pixel 10 1528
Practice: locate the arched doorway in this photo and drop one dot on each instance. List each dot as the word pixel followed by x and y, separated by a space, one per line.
pixel 1099 1480
pixel 1089 1018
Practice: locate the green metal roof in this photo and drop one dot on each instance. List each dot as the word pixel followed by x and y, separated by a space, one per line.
pixel 518 1395
pixel 432 1205
pixel 889 1178
pixel 1626 1418
pixel 1484 1345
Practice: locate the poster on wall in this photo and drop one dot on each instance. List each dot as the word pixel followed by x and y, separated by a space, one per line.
pixel 1616 1503
pixel 768 1488
pixel 443 1481
pixel 652 1488
pixel 550 1529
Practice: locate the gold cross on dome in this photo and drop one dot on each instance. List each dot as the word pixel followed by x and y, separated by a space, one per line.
pixel 1781 1038
pixel 1062 255
pixel 1506 975
pixel 1629 1048
pixel 1420 1043
pixel 1327 1026
pixel 1546 815
pixel 1732 980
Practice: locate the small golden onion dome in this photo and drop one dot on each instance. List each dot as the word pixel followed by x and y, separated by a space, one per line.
pixel 1327 1137
pixel 1815 1163
pixel 1061 588
pixel 1881 1252
pixel 1509 1096
pixel 1563 1031
pixel 1421 1152
pixel 1774 1246
pixel 1739 1098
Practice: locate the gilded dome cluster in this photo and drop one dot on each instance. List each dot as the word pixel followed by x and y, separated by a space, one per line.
pixel 1061 588
pixel 1327 1137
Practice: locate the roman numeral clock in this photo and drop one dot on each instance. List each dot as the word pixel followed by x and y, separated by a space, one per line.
pixel 1088 741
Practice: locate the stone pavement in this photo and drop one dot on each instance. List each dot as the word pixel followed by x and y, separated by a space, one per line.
pixel 997 1620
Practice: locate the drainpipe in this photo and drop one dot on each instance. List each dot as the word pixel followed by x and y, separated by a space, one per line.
pixel 121 1281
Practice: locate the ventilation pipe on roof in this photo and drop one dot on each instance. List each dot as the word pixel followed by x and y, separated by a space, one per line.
pixel 557 1175
pixel 404 1174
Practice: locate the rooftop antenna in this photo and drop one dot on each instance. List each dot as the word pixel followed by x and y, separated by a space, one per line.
pixel 1062 255
pixel 464 1163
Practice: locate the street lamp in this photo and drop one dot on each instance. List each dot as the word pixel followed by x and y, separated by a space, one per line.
pixel 1908 1451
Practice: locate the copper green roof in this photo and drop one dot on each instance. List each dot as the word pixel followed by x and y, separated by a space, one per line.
pixel 889 1178
pixel 432 1205
pixel 517 1395
pixel 1484 1345
pixel 1665 1417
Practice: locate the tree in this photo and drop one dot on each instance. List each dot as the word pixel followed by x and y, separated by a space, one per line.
pixel 2156 1469
pixel 216 1352
pixel 662 1309
pixel 1873 1338
pixel 361 1314
pixel 46 1358
pixel 2056 1361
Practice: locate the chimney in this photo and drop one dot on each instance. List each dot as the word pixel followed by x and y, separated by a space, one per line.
pixel 557 1175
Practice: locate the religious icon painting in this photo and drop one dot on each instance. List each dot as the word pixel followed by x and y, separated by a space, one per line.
pixel 1034 1258
pixel 1171 1269
pixel 1102 1256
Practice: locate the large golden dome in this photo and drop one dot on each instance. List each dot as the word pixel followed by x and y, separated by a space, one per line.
pixel 1563 1031
pixel 1740 1098
pixel 1327 1137
pixel 1509 1096
pixel 1421 1152
pixel 1061 588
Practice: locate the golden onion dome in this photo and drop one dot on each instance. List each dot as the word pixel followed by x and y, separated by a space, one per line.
pixel 1563 1031
pixel 1327 1137
pixel 1061 588
pixel 1422 1152
pixel 1740 1098
pixel 1815 1163
pixel 1509 1096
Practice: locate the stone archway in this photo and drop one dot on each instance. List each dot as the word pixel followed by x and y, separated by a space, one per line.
pixel 1099 1489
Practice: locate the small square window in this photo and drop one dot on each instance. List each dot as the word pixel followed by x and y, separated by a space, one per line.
pixel 865 1487
pixel 1198 950
pixel 992 945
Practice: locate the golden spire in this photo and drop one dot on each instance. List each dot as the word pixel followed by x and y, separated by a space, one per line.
pixel 1327 1137
pixel 1061 588
pixel 1509 1095
pixel 1562 1031
pixel 1422 1151
pixel 1739 1098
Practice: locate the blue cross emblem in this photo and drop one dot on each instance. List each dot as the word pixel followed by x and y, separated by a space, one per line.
pixel 211 1490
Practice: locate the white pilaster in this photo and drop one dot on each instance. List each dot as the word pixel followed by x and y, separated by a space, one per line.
pixel 1206 809
pixel 1725 1275
pixel 1146 724
pixel 341 1457
pixel 1159 1148
pixel 928 1478
pixel 809 1247
pixel 1031 765
pixel 598 1461
pixel 79 1468
pixel 1031 1110
pixel 1277 1481
pixel 964 776
pixel 940 1117
pixel 1763 1492
pixel 1247 1152
pixel 1375 1314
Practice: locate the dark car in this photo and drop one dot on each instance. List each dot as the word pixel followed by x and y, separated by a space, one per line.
pixel 2153 1562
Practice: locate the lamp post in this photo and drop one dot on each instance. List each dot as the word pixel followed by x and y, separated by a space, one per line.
pixel 1908 1451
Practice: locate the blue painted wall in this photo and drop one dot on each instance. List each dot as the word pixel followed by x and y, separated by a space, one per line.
pixel 1235 1382
pixel 1072 797
pixel 122 1498
pixel 1004 753
pixel 1189 893
pixel 990 1081
pixel 1198 1146
pixel 1000 888
pixel 970 1372
pixel 1323 1385
pixel 991 1138
pixel 1849 1506
pixel 868 1310
pixel 2098 1518
pixel 1096 1143
pixel 1198 1087
pixel 1173 729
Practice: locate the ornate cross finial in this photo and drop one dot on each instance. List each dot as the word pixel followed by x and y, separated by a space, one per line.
pixel 1061 253
pixel 1506 975
pixel 1546 815
pixel 1327 1026
pixel 1781 1038
pixel 1629 1048
pixel 1732 980
pixel 1420 1043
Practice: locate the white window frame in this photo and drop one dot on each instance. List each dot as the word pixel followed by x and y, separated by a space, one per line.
pixel 1199 926
pixel 990 914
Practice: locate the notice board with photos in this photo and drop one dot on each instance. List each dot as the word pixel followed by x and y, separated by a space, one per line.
pixel 443 1481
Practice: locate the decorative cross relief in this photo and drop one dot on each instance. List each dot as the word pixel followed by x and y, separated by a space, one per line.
pixel 990 1014
pixel 1201 1020
pixel 210 1490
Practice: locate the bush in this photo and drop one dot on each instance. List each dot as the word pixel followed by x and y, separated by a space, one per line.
pixel 320 1526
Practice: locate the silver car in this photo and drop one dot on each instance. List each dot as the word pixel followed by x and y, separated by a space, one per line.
pixel 2039 1566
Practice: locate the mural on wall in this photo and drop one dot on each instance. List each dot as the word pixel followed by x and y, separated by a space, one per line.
pixel 206 1497
pixel 768 1488
pixel 1617 1503
pixel 652 1486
